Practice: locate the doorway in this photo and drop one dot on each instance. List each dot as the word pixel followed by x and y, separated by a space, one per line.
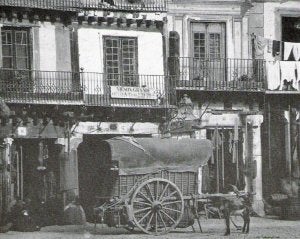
pixel 290 31
pixel 207 51
pixel 226 166
pixel 37 167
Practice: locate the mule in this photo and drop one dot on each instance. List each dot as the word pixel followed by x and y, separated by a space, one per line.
pixel 241 205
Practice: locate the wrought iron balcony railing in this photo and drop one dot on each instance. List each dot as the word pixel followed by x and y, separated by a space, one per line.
pixel 78 5
pixel 218 74
pixel 126 5
pixel 59 5
pixel 96 89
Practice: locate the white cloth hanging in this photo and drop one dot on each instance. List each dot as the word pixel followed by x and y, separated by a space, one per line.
pixel 298 74
pixel 273 75
pixel 269 46
pixel 288 73
pixel 259 45
pixel 296 51
pixel 288 47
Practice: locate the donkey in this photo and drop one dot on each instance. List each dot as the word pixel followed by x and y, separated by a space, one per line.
pixel 241 205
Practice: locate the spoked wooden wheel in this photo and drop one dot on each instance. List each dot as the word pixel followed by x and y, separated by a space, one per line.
pixel 157 206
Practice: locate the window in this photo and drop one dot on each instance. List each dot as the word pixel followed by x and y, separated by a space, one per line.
pixel 120 57
pixel 208 40
pixel 207 51
pixel 16 59
pixel 15 48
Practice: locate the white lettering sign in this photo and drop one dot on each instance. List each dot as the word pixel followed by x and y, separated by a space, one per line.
pixel 22 131
pixel 126 92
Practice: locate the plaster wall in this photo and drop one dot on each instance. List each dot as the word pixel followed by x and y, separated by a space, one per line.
pixel 91 58
pixel 273 11
pixel 237 44
pixel 53 53
pixel 47 47
pixel 272 16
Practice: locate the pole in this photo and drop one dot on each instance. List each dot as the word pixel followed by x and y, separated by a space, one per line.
pixel 223 163
pixel 18 174
pixel 269 136
pixel 217 159
pixel 288 142
pixel 236 141
pixel 21 169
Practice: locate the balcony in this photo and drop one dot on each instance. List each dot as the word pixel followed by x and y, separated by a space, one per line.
pixel 77 5
pixel 85 88
pixel 217 74
pixel 125 5
pixel 58 5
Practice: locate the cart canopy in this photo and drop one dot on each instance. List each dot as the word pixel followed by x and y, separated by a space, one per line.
pixel 146 155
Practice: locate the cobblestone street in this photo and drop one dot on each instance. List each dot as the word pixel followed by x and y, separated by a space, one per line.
pixel 212 228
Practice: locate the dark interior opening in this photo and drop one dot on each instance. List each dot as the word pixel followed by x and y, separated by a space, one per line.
pixel 290 31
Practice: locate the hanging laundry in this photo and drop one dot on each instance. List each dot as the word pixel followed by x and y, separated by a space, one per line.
pixel 273 75
pixel 270 45
pixel 230 142
pixel 235 141
pixel 288 47
pixel 288 75
pixel 259 45
pixel 216 141
pixel 298 74
pixel 276 48
pixel 212 159
pixel 296 51
pixel 216 138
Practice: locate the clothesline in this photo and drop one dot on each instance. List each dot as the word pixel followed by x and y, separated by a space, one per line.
pixel 290 50
pixel 283 75
pixel 253 35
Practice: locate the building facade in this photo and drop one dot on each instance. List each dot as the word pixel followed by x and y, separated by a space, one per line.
pixel 84 70
pixel 226 87
pixel 72 72
pixel 238 63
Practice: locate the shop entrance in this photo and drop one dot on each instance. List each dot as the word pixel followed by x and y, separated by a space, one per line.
pixel 227 166
pixel 35 171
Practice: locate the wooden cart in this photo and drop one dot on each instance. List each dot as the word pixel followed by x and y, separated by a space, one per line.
pixel 150 184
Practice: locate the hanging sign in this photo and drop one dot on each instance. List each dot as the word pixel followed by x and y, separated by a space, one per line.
pixel 22 131
pixel 127 92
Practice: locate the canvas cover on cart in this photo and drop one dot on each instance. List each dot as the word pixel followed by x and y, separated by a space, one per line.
pixel 146 155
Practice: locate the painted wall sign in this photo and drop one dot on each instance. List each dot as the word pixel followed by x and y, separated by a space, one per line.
pixel 116 128
pixel 22 131
pixel 127 92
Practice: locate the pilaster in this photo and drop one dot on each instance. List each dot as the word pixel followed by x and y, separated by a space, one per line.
pixel 256 121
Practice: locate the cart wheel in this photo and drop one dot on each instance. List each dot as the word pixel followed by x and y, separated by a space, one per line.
pixel 157 206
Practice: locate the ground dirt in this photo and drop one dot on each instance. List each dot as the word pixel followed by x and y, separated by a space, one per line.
pixel 212 228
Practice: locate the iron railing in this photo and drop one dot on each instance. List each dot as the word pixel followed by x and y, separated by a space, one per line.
pixel 126 5
pixel 60 5
pixel 78 5
pixel 218 74
pixel 95 89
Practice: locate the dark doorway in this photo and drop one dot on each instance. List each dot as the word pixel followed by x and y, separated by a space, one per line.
pixel 290 31
pixel 226 167
pixel 37 178
pixel 95 177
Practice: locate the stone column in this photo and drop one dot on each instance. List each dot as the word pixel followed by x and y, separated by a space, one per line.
pixel 200 134
pixel 6 202
pixel 256 121
pixel 69 167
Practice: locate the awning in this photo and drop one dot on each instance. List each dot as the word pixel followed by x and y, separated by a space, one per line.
pixel 143 155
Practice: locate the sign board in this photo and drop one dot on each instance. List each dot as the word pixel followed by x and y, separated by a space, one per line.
pixel 22 131
pixel 128 92
pixel 116 128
